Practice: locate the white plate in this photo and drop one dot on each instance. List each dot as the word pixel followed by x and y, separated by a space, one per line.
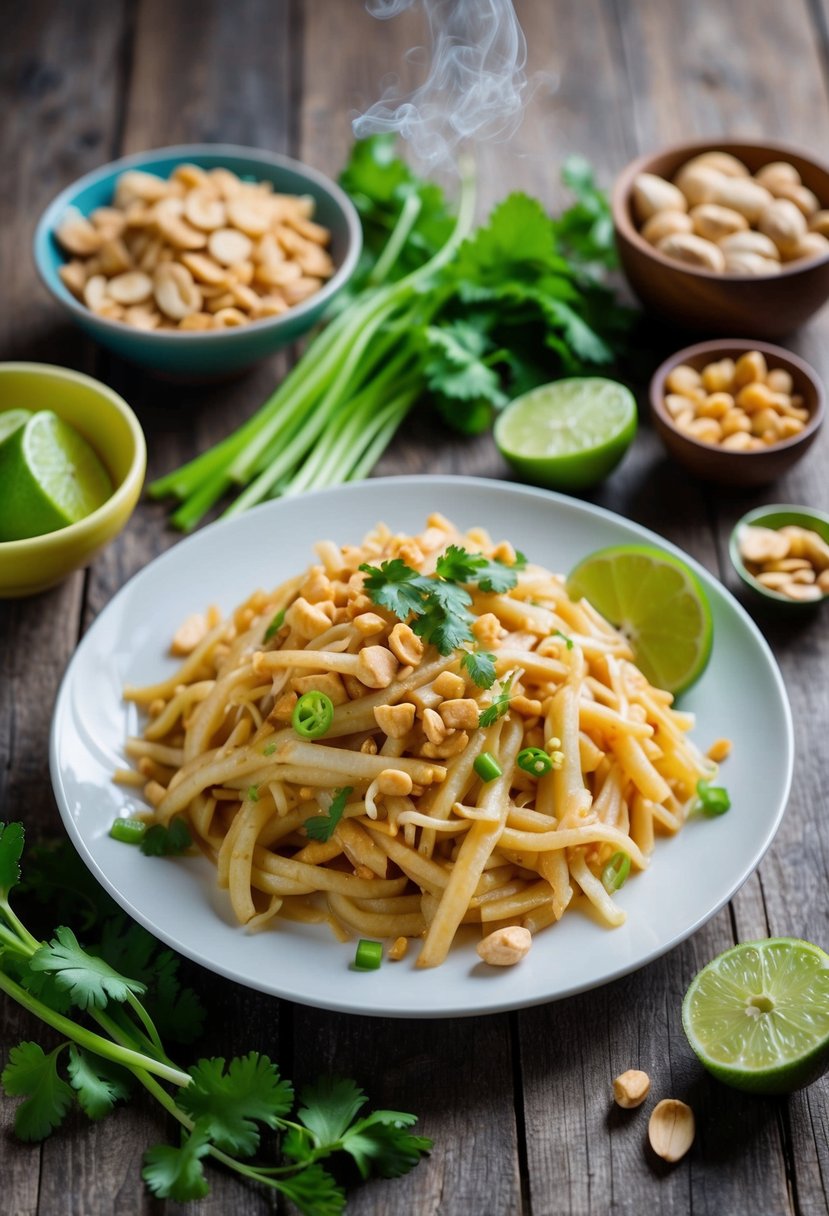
pixel 741 696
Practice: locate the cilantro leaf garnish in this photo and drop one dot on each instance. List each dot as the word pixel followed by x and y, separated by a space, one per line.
pixel 314 1192
pixel 321 827
pixel 177 1173
pixel 568 642
pixel 499 706
pixel 97 1083
pixel 232 1099
pixel 33 1075
pixel 328 1107
pixel 439 605
pixel 90 982
pixel 161 841
pixel 481 667
pixel 396 586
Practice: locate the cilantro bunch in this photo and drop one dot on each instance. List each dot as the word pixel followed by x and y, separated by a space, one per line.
pixel 109 1005
pixel 435 310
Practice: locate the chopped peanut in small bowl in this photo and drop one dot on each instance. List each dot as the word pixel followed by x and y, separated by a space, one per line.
pixel 778 554
pixel 200 250
pixel 740 405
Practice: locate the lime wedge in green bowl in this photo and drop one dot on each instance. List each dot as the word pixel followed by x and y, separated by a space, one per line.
pixel 50 477
pixel 569 434
pixel 10 421
pixel 758 1015
pixel 657 602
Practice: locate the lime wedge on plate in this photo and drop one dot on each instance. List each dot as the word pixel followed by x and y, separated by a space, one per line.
pixel 758 1015
pixel 657 602
pixel 568 435
pixel 49 477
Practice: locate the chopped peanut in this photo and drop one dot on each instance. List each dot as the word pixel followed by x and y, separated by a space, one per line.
pixel 460 712
pixel 529 707
pixel 308 620
pixel 433 726
pixel 394 782
pixel 448 685
pixel 719 750
pixel 369 623
pixel 189 633
pixel 487 629
pixel 369 747
pixel 395 720
pixel 327 682
pixel 397 949
pixel 452 745
pixel 376 666
pixel 506 946
pixel 283 708
pixel 406 645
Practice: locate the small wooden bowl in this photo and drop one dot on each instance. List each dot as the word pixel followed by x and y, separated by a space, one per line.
pixel 777 516
pixel 704 300
pixel 728 468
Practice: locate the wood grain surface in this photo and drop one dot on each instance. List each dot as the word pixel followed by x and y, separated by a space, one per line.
pixel 518 1104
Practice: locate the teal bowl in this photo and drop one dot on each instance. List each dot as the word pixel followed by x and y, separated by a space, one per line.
pixel 194 355
pixel 778 515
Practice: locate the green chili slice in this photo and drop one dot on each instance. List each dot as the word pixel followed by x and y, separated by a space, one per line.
pixel 313 714
pixel 535 761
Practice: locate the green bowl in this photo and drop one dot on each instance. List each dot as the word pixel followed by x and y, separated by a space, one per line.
pixel 109 425
pixel 213 354
pixel 779 515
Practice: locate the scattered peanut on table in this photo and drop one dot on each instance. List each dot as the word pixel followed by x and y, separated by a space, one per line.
pixel 741 406
pixel 200 251
pixel 671 1129
pixel 791 560
pixel 716 216
pixel 631 1088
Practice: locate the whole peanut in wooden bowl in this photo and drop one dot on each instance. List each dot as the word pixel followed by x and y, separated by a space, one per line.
pixel 710 300
pixel 737 469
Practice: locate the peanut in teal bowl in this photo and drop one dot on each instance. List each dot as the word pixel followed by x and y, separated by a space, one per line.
pixel 213 353
pixel 778 515
pixel 109 425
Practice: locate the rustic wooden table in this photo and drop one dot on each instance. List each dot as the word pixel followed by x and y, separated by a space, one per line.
pixel 518 1104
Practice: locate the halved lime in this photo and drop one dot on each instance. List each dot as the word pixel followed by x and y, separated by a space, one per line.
pixel 569 434
pixel 49 477
pixel 657 602
pixel 10 420
pixel 758 1015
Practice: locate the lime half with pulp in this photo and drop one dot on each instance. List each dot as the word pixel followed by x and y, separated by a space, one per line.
pixel 49 477
pixel 568 435
pixel 758 1015
pixel 657 602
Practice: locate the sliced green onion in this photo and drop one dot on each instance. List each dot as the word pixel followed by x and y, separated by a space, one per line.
pixel 252 794
pixel 615 873
pixel 568 642
pixel 369 955
pixel 487 767
pixel 713 799
pixel 534 760
pixel 275 625
pixel 269 749
pixel 313 714
pixel 128 831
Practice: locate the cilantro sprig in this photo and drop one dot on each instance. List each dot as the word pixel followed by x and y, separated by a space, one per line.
pixel 438 605
pixel 321 827
pixel 499 706
pixel 110 1002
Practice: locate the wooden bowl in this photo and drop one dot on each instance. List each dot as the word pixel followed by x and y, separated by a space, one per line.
pixel 737 469
pixel 706 301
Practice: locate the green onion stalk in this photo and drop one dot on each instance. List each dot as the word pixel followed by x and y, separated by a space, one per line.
pixel 336 411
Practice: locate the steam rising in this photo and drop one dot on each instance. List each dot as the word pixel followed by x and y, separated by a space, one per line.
pixel 476 84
